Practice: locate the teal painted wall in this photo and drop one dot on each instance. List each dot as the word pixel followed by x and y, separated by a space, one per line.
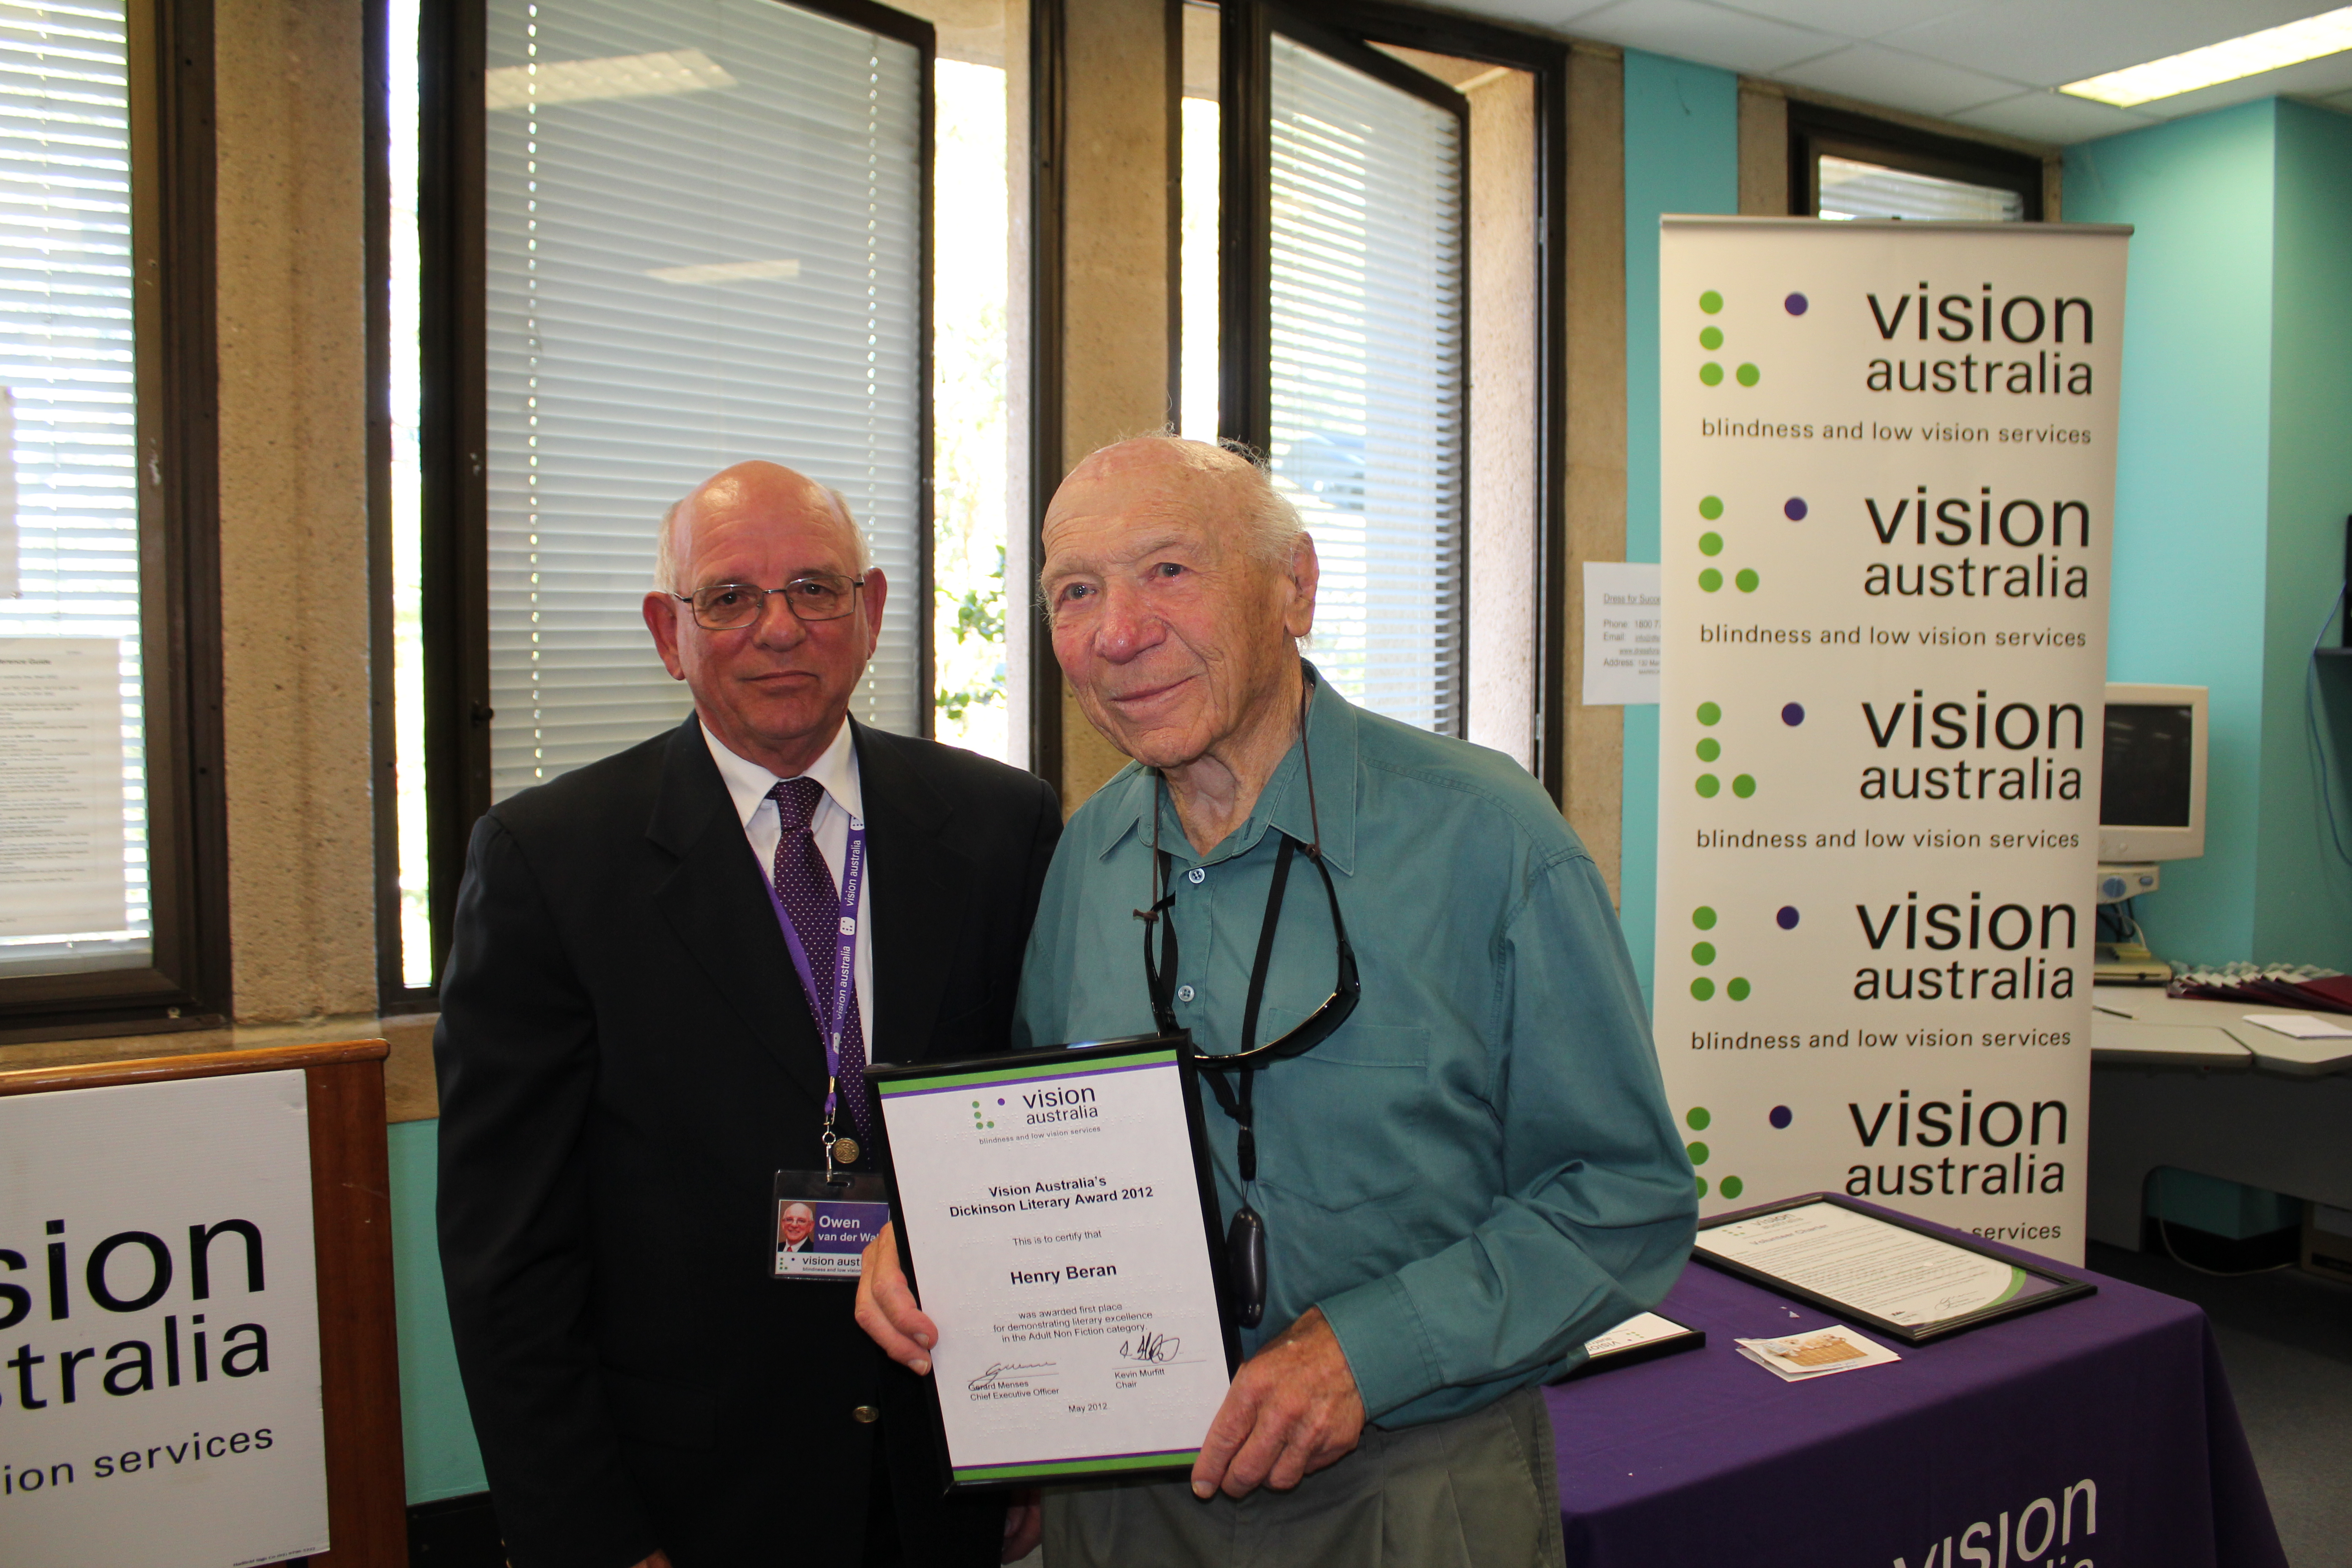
pixel 2303 907
pixel 2234 474
pixel 1682 155
pixel 437 1433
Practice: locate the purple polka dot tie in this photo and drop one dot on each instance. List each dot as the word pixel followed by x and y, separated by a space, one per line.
pixel 805 886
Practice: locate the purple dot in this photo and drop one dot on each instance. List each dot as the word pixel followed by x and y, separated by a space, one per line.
pixel 1787 916
pixel 1000 1102
pixel 1794 510
pixel 1795 303
pixel 1793 714
pixel 1780 1116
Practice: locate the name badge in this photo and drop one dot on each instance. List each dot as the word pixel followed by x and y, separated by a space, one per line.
pixel 822 1224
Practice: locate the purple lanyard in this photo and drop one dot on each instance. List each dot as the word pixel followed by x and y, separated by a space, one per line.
pixel 830 1020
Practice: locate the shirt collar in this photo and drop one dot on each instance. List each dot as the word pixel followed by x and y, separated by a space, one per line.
pixel 747 784
pixel 1283 804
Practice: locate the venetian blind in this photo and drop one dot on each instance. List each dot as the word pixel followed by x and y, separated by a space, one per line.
pixel 1367 362
pixel 1851 190
pixel 73 812
pixel 704 245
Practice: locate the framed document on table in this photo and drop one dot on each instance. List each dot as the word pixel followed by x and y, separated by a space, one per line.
pixel 1880 1271
pixel 1057 1220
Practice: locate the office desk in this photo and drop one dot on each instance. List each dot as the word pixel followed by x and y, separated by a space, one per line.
pixel 2168 1089
pixel 1704 1458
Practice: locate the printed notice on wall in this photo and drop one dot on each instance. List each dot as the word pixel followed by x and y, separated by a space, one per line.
pixel 1621 632
pixel 161 1400
pixel 62 867
pixel 1888 475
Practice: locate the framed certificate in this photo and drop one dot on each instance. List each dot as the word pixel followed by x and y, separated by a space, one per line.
pixel 1880 1271
pixel 1057 1218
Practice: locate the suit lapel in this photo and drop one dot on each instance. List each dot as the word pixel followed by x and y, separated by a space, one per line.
pixel 713 899
pixel 922 881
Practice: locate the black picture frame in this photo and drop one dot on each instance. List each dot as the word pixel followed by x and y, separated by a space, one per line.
pixel 1690 1339
pixel 1179 1048
pixel 2066 1288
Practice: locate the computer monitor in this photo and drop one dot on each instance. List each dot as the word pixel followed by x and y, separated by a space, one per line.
pixel 2152 787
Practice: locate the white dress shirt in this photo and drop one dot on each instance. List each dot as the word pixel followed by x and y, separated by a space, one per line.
pixel 748 784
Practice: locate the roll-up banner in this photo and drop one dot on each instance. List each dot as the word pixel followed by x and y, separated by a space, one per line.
pixel 1887 456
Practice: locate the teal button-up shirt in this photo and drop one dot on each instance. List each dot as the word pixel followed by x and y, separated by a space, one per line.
pixel 1478 1172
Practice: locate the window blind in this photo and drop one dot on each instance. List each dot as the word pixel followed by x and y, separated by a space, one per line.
pixel 703 245
pixel 1851 189
pixel 73 818
pixel 1367 368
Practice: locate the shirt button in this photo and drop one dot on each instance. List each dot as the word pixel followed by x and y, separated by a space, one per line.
pixel 1183 992
pixel 867 1414
pixel 1196 875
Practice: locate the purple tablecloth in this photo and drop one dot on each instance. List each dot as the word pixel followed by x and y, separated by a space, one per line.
pixel 1706 1459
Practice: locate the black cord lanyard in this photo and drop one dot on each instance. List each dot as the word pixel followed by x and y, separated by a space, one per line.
pixel 1246 1239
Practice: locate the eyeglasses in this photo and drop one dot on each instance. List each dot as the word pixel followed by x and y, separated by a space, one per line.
pixel 812 596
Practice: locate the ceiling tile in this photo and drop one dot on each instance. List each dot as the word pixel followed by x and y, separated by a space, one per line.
pixel 2043 116
pixel 1691 30
pixel 1899 81
pixel 1855 19
pixel 2051 42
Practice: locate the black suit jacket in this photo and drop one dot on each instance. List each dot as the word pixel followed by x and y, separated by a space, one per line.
pixel 625 1059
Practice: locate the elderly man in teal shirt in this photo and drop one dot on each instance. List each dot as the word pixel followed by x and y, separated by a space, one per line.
pixel 1469 1177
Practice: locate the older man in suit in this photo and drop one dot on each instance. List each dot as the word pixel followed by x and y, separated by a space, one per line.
pixel 629 1054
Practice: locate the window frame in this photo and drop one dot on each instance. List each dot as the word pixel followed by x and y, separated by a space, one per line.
pixel 1345 31
pixel 453 440
pixel 186 983
pixel 1816 130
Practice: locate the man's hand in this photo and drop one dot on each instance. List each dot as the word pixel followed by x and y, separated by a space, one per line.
pixel 1024 1524
pixel 1292 1410
pixel 886 1310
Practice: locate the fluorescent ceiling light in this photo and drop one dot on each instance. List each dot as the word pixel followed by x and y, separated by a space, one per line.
pixel 2329 33
pixel 727 271
pixel 616 76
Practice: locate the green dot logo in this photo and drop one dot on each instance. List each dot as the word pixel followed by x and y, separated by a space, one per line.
pixel 1709 749
pixel 1708 786
pixel 1697 1153
pixel 1746 579
pixel 1709 713
pixel 1736 990
pixel 1697 1118
pixel 1712 545
pixel 1710 338
pixel 1711 508
pixel 1703 953
pixel 1711 373
pixel 1710 579
pixel 1710 301
pixel 1748 375
pixel 1703 917
pixel 1702 1186
pixel 1743 785
pixel 1732 1188
pixel 1702 988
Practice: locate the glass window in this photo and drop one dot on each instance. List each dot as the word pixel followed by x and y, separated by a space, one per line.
pixel 704 231
pixel 1851 189
pixel 74 888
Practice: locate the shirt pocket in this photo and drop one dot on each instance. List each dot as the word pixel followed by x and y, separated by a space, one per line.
pixel 1338 1127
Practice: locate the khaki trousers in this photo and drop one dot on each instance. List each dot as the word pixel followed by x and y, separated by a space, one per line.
pixel 1478 1491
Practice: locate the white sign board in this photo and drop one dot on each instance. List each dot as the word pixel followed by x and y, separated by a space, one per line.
pixel 1622 633
pixel 159 1341
pixel 61 866
pixel 1887 488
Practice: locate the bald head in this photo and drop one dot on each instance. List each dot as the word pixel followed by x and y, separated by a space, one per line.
pixel 765 486
pixel 1216 485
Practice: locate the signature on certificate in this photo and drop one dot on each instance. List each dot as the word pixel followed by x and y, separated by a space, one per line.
pixel 1001 1369
pixel 1148 1347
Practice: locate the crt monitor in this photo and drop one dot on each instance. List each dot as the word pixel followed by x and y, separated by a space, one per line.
pixel 2152 784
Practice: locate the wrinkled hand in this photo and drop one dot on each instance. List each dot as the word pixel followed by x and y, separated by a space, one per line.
pixel 1024 1524
pixel 1292 1410
pixel 886 1310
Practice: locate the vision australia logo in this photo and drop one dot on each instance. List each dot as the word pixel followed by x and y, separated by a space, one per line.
pixel 2012 1147
pixel 2044 1529
pixel 1980 330
pixel 2006 951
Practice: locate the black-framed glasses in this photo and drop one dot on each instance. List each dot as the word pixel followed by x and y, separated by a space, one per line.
pixel 812 595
